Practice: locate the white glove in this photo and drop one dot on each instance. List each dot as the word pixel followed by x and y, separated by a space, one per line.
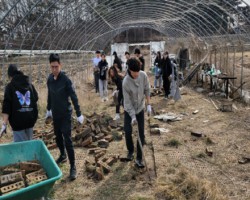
pixel 3 129
pixel 133 122
pixel 48 114
pixel 113 94
pixel 80 119
pixel 149 110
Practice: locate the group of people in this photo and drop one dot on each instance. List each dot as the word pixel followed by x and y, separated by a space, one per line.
pixel 20 108
pixel 165 71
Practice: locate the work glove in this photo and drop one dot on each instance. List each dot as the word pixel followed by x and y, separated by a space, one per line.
pixel 80 119
pixel 113 94
pixel 149 110
pixel 3 129
pixel 133 122
pixel 48 114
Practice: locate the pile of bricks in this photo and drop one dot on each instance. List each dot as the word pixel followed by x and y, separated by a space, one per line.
pixel 98 131
pixel 20 175
pixel 100 164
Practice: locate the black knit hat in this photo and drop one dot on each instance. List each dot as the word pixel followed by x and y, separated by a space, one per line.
pixel 12 70
pixel 134 65
pixel 114 53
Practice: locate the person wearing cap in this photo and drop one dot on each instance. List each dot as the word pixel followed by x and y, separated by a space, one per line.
pixel 60 89
pixel 135 88
pixel 19 105
pixel 96 71
pixel 140 58
pixel 117 61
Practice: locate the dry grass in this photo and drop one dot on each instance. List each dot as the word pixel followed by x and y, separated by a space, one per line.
pixel 183 186
pixel 182 173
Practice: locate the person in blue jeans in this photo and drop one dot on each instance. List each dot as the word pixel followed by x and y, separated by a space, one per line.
pixel 158 70
pixel 136 88
pixel 19 105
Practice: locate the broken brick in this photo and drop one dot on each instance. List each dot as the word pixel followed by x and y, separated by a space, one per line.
pixel 30 167
pixel 109 138
pixel 209 152
pixel 99 173
pixel 155 131
pixel 111 161
pixel 105 167
pixel 196 133
pixel 103 143
pixel 87 142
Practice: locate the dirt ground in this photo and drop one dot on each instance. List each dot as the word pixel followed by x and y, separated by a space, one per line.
pixel 178 165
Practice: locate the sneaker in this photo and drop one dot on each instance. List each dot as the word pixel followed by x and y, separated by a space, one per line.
pixel 61 159
pixel 117 117
pixel 166 97
pixel 106 99
pixel 72 175
pixel 103 99
pixel 139 163
pixel 130 156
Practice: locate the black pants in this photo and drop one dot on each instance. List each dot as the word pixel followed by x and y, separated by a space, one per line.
pixel 166 85
pixel 128 133
pixel 62 130
pixel 96 76
pixel 120 101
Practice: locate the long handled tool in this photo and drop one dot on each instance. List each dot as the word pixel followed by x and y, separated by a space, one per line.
pixel 143 155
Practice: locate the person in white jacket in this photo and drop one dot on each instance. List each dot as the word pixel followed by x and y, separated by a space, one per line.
pixel 136 88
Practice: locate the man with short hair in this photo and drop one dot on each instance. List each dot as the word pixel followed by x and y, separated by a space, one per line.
pixel 96 71
pixel 140 58
pixel 135 88
pixel 60 89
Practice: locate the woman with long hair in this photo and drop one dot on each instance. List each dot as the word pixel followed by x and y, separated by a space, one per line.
pixel 117 79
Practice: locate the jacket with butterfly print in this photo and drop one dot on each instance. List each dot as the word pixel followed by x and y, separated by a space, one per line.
pixel 20 103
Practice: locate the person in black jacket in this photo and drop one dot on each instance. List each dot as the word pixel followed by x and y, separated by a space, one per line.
pixel 19 105
pixel 140 58
pixel 158 70
pixel 117 61
pixel 60 89
pixel 117 79
pixel 166 72
pixel 103 84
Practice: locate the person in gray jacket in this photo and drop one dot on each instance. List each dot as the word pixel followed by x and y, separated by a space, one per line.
pixel 135 88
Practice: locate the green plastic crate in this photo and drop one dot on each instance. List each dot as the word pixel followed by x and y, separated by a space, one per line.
pixel 25 151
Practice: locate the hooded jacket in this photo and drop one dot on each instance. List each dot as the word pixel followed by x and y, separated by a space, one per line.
pixel 20 103
pixel 134 92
